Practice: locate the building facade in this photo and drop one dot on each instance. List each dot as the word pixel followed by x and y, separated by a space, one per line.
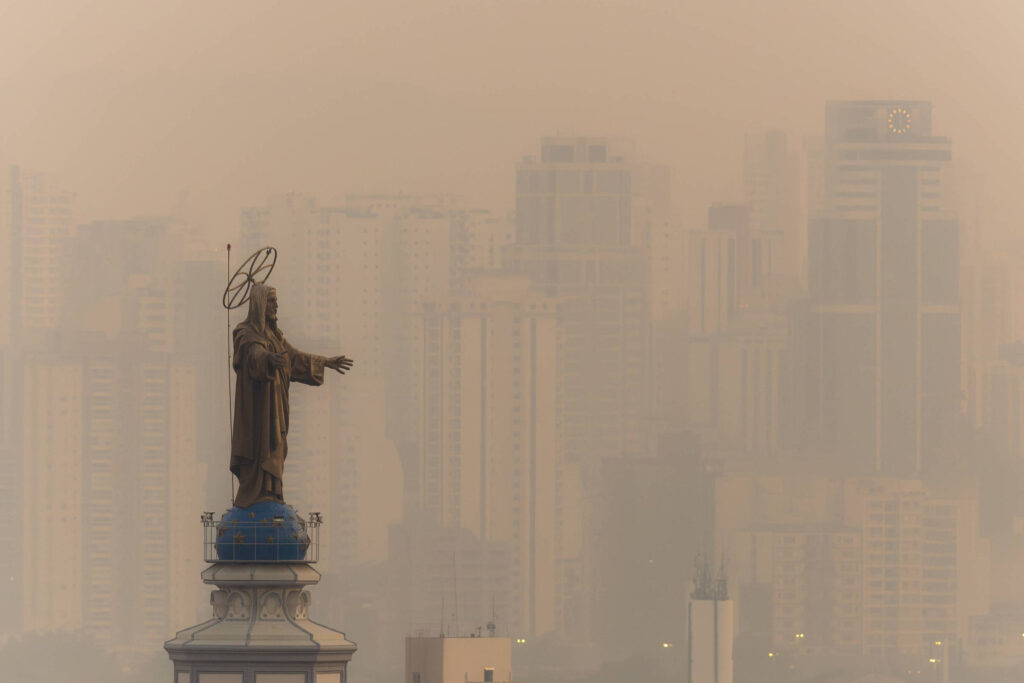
pixel 491 452
pixel 884 279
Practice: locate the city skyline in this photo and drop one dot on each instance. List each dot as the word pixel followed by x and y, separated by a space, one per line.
pixel 434 275
pixel 779 66
pixel 688 337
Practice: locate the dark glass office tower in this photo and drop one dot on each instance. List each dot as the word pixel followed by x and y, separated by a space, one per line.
pixel 883 276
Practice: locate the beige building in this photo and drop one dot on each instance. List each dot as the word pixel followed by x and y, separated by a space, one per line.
pixel 926 569
pixel 996 640
pixel 736 341
pixel 99 527
pixel 736 385
pixel 458 660
pixel 1000 409
pixel 479 244
pixel 585 213
pixel 582 235
pixel 771 186
pixel 712 282
pixel 870 566
pixel 52 554
pixel 11 490
pixel 109 421
pixel 36 224
pixel 491 456
pixel 353 279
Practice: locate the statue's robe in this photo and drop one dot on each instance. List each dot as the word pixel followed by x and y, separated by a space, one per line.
pixel 259 440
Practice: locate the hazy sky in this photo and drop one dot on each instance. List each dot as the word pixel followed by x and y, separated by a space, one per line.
pixel 133 102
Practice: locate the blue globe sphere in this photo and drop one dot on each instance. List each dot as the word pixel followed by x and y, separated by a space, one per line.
pixel 268 531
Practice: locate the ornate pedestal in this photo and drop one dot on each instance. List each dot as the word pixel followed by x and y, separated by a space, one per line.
pixel 260 631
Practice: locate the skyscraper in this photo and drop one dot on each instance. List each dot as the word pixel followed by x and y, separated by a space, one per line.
pixel 491 458
pixel 584 213
pixel 771 186
pixel 111 414
pixel 884 279
pixel 582 235
pixel 36 222
pixel 736 342
pixel 852 566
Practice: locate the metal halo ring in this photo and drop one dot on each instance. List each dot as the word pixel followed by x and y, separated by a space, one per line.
pixel 254 270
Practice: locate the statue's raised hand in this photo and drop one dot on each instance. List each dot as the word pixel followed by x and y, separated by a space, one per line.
pixel 339 363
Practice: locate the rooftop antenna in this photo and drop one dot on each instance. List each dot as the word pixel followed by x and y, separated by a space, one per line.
pixel 491 625
pixel 455 589
pixel 708 584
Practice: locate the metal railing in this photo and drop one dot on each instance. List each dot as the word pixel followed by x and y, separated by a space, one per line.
pixel 267 540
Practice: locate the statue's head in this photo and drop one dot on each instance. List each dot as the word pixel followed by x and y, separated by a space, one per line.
pixel 271 306
pixel 262 307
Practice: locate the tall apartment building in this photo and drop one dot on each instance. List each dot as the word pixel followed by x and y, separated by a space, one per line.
pixel 884 273
pixel 36 222
pixel 853 567
pixel 491 458
pixel 580 237
pixel 353 279
pixel 479 242
pixel 111 418
pixel 747 368
pixel 53 553
pixel 10 241
pixel 667 258
pixel 736 343
pixel 11 490
pixel 990 316
pixel 925 569
pixel 713 270
pixel 771 186
pixel 583 236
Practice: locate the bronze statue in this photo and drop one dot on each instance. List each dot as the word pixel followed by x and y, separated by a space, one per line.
pixel 265 364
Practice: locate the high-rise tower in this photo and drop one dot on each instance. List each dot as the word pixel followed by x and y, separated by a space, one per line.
pixel 885 322
pixel 581 235
pixel 490 451
pixel 584 216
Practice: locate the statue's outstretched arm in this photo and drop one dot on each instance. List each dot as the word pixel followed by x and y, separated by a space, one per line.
pixel 307 368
